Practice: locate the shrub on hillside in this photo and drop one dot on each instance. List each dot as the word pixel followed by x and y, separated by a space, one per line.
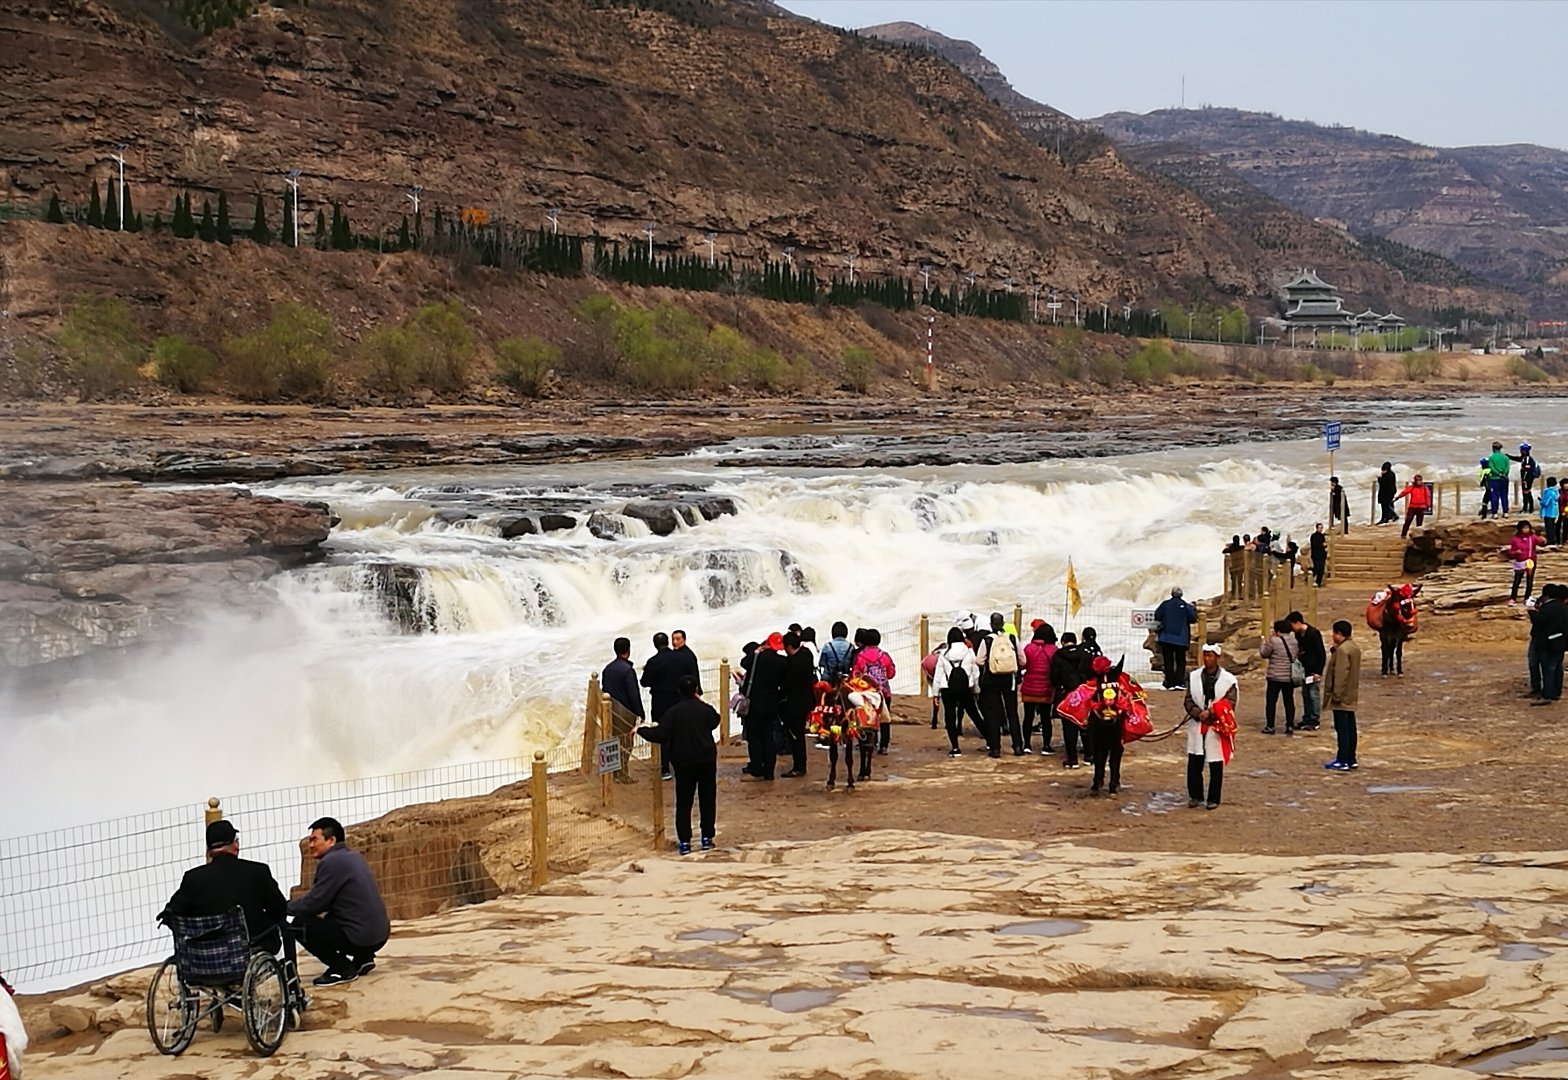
pixel 1106 369
pixel 389 360
pixel 182 365
pixel 293 356
pixel 1521 369
pixel 524 364
pixel 1419 367
pixel 102 347
pixel 860 366
pixel 445 346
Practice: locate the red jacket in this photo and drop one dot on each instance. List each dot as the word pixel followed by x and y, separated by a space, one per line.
pixel 1037 670
pixel 1420 496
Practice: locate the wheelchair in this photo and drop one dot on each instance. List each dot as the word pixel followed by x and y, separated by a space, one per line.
pixel 215 969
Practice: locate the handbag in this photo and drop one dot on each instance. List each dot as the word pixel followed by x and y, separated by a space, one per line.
pixel 1298 670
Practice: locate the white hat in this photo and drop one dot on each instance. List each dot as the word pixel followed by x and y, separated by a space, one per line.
pixel 1215 649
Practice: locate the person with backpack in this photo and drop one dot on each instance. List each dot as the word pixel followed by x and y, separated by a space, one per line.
pixel 834 662
pixel 1000 663
pixel 1529 473
pixel 877 668
pixel 1069 670
pixel 1035 689
pixel 954 680
pixel 1089 641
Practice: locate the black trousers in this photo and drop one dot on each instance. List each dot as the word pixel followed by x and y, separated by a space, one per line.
pixel 1173 661
pixel 1072 735
pixel 1528 578
pixel 1043 710
pixel 796 727
pixel 1319 568
pixel 885 728
pixel 324 939
pixel 700 781
pixel 1389 513
pixel 1275 690
pixel 955 703
pixel 1345 734
pixel 1216 779
pixel 1392 646
pixel 760 747
pixel 993 708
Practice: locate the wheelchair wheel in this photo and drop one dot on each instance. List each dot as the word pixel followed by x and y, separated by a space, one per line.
pixel 219 1007
pixel 172 1008
pixel 266 1004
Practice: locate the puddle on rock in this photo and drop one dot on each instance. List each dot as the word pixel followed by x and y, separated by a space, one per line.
pixel 1551 1050
pixel 1521 951
pixel 991 1011
pixel 1029 856
pixel 1329 978
pixel 1044 928
pixel 794 1001
pixel 1397 789
pixel 1163 802
pixel 854 972
pixel 1486 907
pixel 1000 873
pixel 723 937
pixel 1316 888
pixel 742 994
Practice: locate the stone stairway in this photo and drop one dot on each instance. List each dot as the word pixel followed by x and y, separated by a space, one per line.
pixel 1374 556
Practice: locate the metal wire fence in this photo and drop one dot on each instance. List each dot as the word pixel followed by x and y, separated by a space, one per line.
pixel 81 903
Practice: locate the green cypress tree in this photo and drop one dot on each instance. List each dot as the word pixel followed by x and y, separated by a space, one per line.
pixel 342 234
pixel 135 224
pixel 55 216
pixel 258 227
pixel 225 229
pixel 94 209
pixel 183 225
pixel 288 228
pixel 111 209
pixel 321 235
pixel 157 221
pixel 404 241
pixel 438 221
pixel 208 229
pixel 127 213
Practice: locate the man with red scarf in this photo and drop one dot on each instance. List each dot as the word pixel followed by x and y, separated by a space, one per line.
pixel 1212 693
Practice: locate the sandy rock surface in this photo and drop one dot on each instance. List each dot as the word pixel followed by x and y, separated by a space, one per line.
pixel 899 954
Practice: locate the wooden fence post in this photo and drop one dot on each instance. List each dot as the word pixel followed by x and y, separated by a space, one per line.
pixel 724 703
pixel 1458 509
pixel 1372 516
pixel 606 732
pixel 656 782
pixel 1312 606
pixel 1018 622
pixel 539 811
pixel 590 724
pixel 925 650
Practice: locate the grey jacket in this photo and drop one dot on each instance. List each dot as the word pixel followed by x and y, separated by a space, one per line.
pixel 345 890
pixel 1279 652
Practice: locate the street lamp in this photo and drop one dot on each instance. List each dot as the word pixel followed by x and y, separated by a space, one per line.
pixel 849 261
pixel 648 228
pixel 1190 315
pixel 292 180
pixel 1219 328
pixel 1009 284
pixel 1034 308
pixel 554 216
pixel 789 256
pixel 710 238
pixel 925 279
pixel 1076 320
pixel 118 157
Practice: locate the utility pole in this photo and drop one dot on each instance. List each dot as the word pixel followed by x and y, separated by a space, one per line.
pixel 118 157
pixel 292 180
pixel 710 238
pixel 554 214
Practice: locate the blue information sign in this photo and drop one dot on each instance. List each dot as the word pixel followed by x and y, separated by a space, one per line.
pixel 1331 435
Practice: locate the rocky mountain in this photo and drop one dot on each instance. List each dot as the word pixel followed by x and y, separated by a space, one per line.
pixel 1379 275
pixel 1500 212
pixel 694 115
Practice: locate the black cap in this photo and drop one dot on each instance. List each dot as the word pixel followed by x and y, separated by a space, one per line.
pixel 220 834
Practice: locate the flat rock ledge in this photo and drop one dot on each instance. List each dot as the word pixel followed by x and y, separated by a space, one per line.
pixel 93 566
pixel 898 954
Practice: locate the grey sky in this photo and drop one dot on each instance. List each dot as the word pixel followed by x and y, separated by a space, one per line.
pixel 1453 73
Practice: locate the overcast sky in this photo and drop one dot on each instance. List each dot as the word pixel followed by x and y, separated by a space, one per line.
pixel 1454 73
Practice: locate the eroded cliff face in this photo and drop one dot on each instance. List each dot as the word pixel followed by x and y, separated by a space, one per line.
pixel 1498 211
pixel 764 128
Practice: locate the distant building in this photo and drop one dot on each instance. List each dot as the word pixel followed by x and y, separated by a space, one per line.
pixel 1313 304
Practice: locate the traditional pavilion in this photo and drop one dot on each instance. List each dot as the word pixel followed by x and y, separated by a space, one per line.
pixel 1312 303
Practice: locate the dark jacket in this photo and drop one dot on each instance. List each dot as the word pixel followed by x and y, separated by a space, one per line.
pixel 345 891
pixel 229 881
pixel 1070 669
pixel 1314 657
pixel 1387 484
pixel 1549 626
pixel 1319 548
pixel 686 731
pixel 800 682
pixel 619 680
pixel 661 674
pixel 686 664
pixel 1175 617
pixel 765 685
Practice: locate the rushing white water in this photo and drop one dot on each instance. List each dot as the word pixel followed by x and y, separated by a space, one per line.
pixel 318 683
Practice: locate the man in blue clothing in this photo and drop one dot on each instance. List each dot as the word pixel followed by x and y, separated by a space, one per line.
pixel 1497 466
pixel 1175 618
pixel 836 655
pixel 619 680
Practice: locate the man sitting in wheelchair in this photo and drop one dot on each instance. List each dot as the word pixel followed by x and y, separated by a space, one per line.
pixel 227 881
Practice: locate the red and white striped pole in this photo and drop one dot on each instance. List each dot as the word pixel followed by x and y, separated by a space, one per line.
pixel 930 363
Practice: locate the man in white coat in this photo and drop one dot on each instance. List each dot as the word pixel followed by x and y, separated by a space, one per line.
pixel 13 1036
pixel 1212 693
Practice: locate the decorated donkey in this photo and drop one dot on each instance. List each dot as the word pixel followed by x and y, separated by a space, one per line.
pixel 846 715
pixel 1392 613
pixel 1112 710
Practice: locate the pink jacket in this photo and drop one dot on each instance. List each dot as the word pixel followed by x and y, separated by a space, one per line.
pixel 878 667
pixel 1521 548
pixel 1037 670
